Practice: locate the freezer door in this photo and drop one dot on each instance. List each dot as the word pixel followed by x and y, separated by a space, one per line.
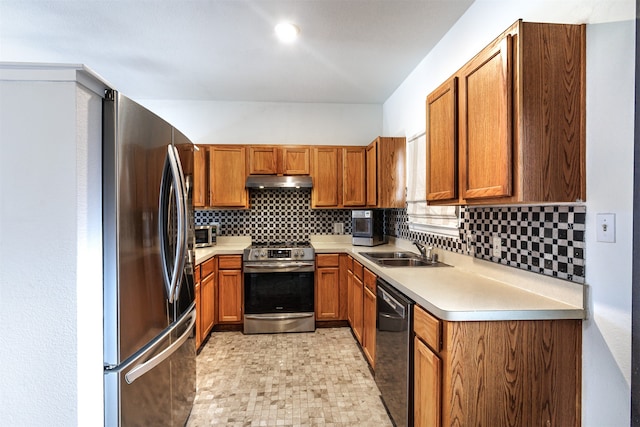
pixel 157 385
pixel 183 373
pixel 147 400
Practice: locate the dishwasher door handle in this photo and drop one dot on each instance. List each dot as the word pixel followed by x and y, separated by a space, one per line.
pixel 392 302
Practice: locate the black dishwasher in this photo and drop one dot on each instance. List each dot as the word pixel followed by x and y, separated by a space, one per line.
pixel 394 353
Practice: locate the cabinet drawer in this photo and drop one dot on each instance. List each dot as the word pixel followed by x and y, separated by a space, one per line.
pixel 358 270
pixel 229 262
pixel 327 260
pixel 207 267
pixel 426 327
pixel 370 281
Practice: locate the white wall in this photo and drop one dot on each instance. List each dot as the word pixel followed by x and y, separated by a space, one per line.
pixel 217 122
pixel 50 253
pixel 610 107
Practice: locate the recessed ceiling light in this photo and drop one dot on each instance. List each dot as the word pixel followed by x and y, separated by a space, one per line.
pixel 287 32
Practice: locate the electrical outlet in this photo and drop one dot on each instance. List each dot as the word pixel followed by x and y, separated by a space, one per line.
pixel 606 227
pixel 496 246
pixel 338 228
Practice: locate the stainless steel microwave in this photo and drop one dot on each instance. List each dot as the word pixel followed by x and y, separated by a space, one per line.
pixel 206 235
pixel 368 227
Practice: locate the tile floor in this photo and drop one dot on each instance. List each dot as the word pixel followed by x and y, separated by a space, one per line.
pixel 306 379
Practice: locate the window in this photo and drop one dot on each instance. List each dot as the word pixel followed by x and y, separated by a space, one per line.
pixel 442 220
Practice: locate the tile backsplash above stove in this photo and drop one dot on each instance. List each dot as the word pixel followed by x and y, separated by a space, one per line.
pixel 277 215
pixel 546 239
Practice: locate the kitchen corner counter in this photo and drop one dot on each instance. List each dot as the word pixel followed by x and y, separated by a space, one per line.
pixel 472 289
pixel 224 246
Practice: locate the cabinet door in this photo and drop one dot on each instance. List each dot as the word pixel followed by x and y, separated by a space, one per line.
pixel 200 176
pixel 427 371
pixel 486 123
pixel 353 177
pixel 263 160
pixel 369 326
pixel 196 290
pixel 227 176
pixel 327 293
pixel 344 283
pixel 358 295
pixel 325 177
pixel 442 142
pixel 372 174
pixel 295 160
pixel 390 172
pixel 230 296
pixel 350 297
pixel 207 295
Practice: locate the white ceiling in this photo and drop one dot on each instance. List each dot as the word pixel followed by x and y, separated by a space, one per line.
pixel 350 51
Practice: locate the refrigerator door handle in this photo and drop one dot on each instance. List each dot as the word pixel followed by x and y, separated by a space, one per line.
pixel 141 369
pixel 183 217
pixel 172 167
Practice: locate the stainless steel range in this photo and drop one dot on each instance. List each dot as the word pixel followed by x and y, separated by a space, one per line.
pixel 279 287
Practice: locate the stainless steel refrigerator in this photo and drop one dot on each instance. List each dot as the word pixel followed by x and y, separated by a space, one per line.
pixel 149 304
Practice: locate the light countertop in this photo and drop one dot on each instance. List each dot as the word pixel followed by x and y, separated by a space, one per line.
pixel 471 289
pixel 224 246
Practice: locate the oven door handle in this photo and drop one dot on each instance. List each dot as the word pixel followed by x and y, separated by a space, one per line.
pixel 279 267
pixel 283 316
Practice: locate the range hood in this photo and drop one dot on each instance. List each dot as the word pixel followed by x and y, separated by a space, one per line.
pixel 272 181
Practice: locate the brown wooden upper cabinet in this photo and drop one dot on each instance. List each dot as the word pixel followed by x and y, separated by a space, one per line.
pixel 353 177
pixel 227 176
pixel 385 172
pixel 326 164
pixel 520 124
pixel 442 143
pixel 277 160
pixel 338 177
pixel 200 181
pixel 296 160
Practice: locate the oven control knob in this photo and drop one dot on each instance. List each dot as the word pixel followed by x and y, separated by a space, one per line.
pixel 263 253
pixel 299 253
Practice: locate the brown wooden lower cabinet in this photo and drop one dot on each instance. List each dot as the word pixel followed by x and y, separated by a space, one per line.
pixel 196 290
pixel 361 305
pixel 358 300
pixel 350 291
pixel 327 287
pixel 208 299
pixel 427 371
pixel 369 326
pixel 205 290
pixel 369 319
pixel 497 373
pixel 230 288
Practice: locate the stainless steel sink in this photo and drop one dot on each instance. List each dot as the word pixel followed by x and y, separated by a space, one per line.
pixel 393 255
pixel 400 259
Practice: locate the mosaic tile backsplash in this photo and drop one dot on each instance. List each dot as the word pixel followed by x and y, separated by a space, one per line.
pixel 543 239
pixel 276 215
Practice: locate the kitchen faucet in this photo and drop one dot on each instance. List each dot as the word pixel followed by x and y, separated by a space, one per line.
pixel 424 252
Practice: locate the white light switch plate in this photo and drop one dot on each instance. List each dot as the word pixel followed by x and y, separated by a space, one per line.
pixel 606 227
